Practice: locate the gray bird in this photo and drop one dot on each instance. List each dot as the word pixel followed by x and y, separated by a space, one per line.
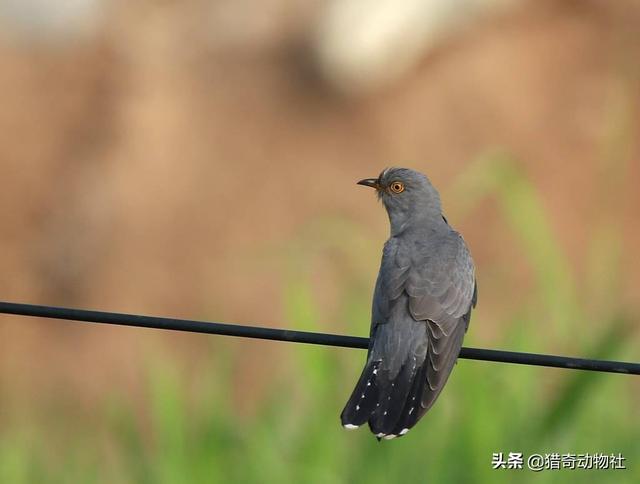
pixel 421 309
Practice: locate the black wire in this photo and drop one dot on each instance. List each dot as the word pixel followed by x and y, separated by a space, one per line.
pixel 303 337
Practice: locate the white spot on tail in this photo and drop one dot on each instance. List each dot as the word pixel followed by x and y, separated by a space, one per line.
pixel 389 437
pixel 350 426
pixel 380 435
pixel 404 431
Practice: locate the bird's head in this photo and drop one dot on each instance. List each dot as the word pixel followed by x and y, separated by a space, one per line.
pixel 406 194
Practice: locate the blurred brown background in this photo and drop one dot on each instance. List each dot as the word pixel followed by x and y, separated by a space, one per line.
pixel 162 157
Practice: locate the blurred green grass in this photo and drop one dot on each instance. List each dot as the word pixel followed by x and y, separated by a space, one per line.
pixel 189 435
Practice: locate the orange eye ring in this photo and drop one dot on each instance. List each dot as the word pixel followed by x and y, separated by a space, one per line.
pixel 396 187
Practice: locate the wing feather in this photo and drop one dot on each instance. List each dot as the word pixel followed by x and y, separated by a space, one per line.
pixel 438 277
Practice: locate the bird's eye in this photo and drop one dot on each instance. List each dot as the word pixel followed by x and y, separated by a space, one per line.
pixel 397 187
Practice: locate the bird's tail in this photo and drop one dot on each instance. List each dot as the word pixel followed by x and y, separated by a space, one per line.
pixel 390 390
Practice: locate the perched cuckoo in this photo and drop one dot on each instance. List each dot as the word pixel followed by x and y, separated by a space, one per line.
pixel 422 303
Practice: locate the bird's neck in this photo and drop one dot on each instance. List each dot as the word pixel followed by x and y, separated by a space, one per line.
pixel 402 221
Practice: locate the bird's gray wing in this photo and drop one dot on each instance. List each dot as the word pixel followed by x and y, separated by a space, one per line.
pixel 421 308
pixel 442 291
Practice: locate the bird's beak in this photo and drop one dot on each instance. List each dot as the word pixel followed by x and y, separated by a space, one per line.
pixel 370 182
